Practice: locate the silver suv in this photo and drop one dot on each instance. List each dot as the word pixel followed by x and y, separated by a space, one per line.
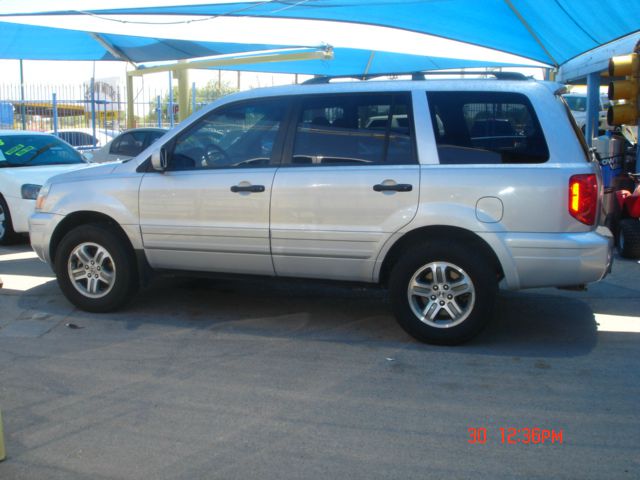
pixel 443 191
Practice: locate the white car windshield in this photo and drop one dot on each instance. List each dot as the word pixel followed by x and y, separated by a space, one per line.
pixel 32 150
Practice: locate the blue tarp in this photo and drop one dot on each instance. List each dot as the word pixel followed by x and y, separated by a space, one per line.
pixel 29 42
pixel 547 31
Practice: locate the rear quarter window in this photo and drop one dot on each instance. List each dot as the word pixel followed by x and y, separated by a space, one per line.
pixel 486 128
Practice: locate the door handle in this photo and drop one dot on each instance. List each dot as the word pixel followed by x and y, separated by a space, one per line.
pixel 247 188
pixel 399 187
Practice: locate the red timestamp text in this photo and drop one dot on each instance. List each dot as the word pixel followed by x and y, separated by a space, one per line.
pixel 516 436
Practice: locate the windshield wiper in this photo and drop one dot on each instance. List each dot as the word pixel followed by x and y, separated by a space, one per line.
pixel 40 151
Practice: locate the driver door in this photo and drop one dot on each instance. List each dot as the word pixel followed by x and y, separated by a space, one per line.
pixel 209 211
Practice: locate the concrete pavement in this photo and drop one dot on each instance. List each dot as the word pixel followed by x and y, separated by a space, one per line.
pixel 288 380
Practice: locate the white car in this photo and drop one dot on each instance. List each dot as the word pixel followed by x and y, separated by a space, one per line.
pixel 578 105
pixel 126 145
pixel 84 138
pixel 27 161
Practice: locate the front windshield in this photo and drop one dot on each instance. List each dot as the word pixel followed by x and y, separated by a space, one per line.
pixel 32 150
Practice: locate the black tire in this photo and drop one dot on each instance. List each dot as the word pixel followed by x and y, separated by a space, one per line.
pixel 118 265
pixel 7 233
pixel 629 238
pixel 612 222
pixel 459 264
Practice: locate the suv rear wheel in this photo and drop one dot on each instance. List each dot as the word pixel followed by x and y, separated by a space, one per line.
pixel 95 269
pixel 443 292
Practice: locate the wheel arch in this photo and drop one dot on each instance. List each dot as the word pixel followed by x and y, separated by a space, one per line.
pixel 76 219
pixel 436 233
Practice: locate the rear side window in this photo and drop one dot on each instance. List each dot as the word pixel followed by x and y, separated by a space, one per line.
pixel 577 104
pixel 486 128
pixel 129 143
pixel 77 139
pixel 360 129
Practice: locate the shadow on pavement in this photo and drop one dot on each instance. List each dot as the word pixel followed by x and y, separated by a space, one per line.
pixel 28 266
pixel 533 324
pixel 525 324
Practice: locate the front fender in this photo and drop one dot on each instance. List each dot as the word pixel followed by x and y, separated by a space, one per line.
pixel 113 196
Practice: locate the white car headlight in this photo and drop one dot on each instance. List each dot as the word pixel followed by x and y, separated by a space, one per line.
pixel 42 196
pixel 29 191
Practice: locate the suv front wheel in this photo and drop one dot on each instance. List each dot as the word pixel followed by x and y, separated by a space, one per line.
pixel 95 269
pixel 443 292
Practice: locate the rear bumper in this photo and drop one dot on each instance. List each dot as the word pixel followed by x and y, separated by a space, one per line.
pixel 554 260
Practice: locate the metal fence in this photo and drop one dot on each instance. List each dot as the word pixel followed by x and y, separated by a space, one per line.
pixel 98 106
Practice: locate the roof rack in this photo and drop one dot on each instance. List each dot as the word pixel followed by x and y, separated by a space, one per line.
pixel 417 76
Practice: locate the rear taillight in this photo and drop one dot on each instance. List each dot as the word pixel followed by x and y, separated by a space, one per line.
pixel 583 198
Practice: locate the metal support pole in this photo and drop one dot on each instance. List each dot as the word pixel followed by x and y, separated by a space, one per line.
pixel 238 80
pixel 593 107
pixel 54 102
pixel 183 94
pixel 550 74
pixel 159 111
pixel 131 123
pixel 23 110
pixel 93 109
pixel 170 106
pixel 193 97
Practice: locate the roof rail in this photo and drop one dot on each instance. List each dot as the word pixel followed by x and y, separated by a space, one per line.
pixel 417 76
pixel 496 75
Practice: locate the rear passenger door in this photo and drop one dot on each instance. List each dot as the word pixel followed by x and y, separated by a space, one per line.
pixel 349 180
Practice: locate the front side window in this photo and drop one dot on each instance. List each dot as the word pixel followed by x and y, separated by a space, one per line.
pixel 32 150
pixel 239 135
pixel 360 129
pixel 486 127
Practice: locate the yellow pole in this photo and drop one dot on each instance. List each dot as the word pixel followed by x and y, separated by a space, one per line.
pixel 3 454
pixel 131 121
pixel 183 93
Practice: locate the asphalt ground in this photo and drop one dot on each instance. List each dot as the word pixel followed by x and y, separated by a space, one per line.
pixel 265 379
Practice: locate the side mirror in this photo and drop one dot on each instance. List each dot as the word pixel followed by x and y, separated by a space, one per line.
pixel 159 160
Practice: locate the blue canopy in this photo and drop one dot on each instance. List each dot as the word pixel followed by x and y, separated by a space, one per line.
pixel 31 42
pixel 547 31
